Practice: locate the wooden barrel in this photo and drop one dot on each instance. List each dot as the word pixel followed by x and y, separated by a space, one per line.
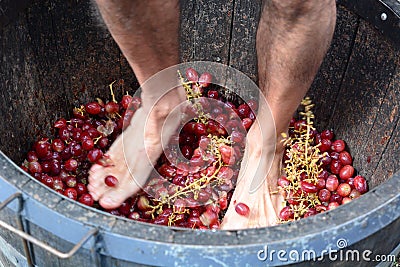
pixel 56 54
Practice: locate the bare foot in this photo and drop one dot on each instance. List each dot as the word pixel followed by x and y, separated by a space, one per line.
pixel 135 151
pixel 257 184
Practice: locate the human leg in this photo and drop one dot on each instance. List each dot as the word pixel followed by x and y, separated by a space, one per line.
pixel 147 34
pixel 292 39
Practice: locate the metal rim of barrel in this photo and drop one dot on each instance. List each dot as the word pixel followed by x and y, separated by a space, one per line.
pixel 384 15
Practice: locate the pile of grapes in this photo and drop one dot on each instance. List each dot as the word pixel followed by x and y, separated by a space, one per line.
pixel 195 191
pixel 63 162
pixel 319 175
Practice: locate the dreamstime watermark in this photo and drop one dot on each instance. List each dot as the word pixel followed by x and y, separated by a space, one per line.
pixel 339 254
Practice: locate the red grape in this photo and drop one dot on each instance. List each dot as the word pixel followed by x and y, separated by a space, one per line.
pixel 222 119
pixel 88 144
pixel 335 166
pixel 42 148
pixel 345 158
pixel 167 171
pixel 103 142
pixel 325 145
pixel 324 195
pixel 60 123
pixel 253 104
pixel 237 137
pixel 111 181
pixel 94 155
pixel 205 79
pixel 46 168
pixel 344 189
pixel 70 181
pixel 194 222
pixel 283 182
pixel 208 217
pixel 187 151
pixel 223 200
pixel 31 156
pixel 76 122
pixel 346 200
pixel 326 160
pixel 71 165
pixel 111 107
pixel 354 194
pixel 192 75
pixel 333 205
pixel 57 145
pixel 34 167
pixel 71 193
pixel 81 189
pixel 300 125
pixel 204 194
pixel 125 208
pixel 286 213
pixel 308 187
pixel 334 155
pixel 335 197
pixel 64 133
pixel 126 101
pixel 332 183
pixel 360 184
pixel 310 212
pixel 338 146
pixel 346 172
pixel 86 199
pixel 58 184
pixel 143 203
pixel 55 167
pixel 243 111
pixel 76 148
pixel 242 209
pixel 93 108
pixel 321 183
pixel 200 129
pixel 246 122
pixel 212 94
pixel 327 134
pixel 227 154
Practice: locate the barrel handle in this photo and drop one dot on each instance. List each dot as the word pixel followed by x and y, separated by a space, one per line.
pixel 21 233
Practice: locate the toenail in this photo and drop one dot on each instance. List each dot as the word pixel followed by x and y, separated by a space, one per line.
pixel 107 202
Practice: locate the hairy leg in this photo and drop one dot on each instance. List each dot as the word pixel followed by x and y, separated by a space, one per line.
pixel 147 34
pixel 292 39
